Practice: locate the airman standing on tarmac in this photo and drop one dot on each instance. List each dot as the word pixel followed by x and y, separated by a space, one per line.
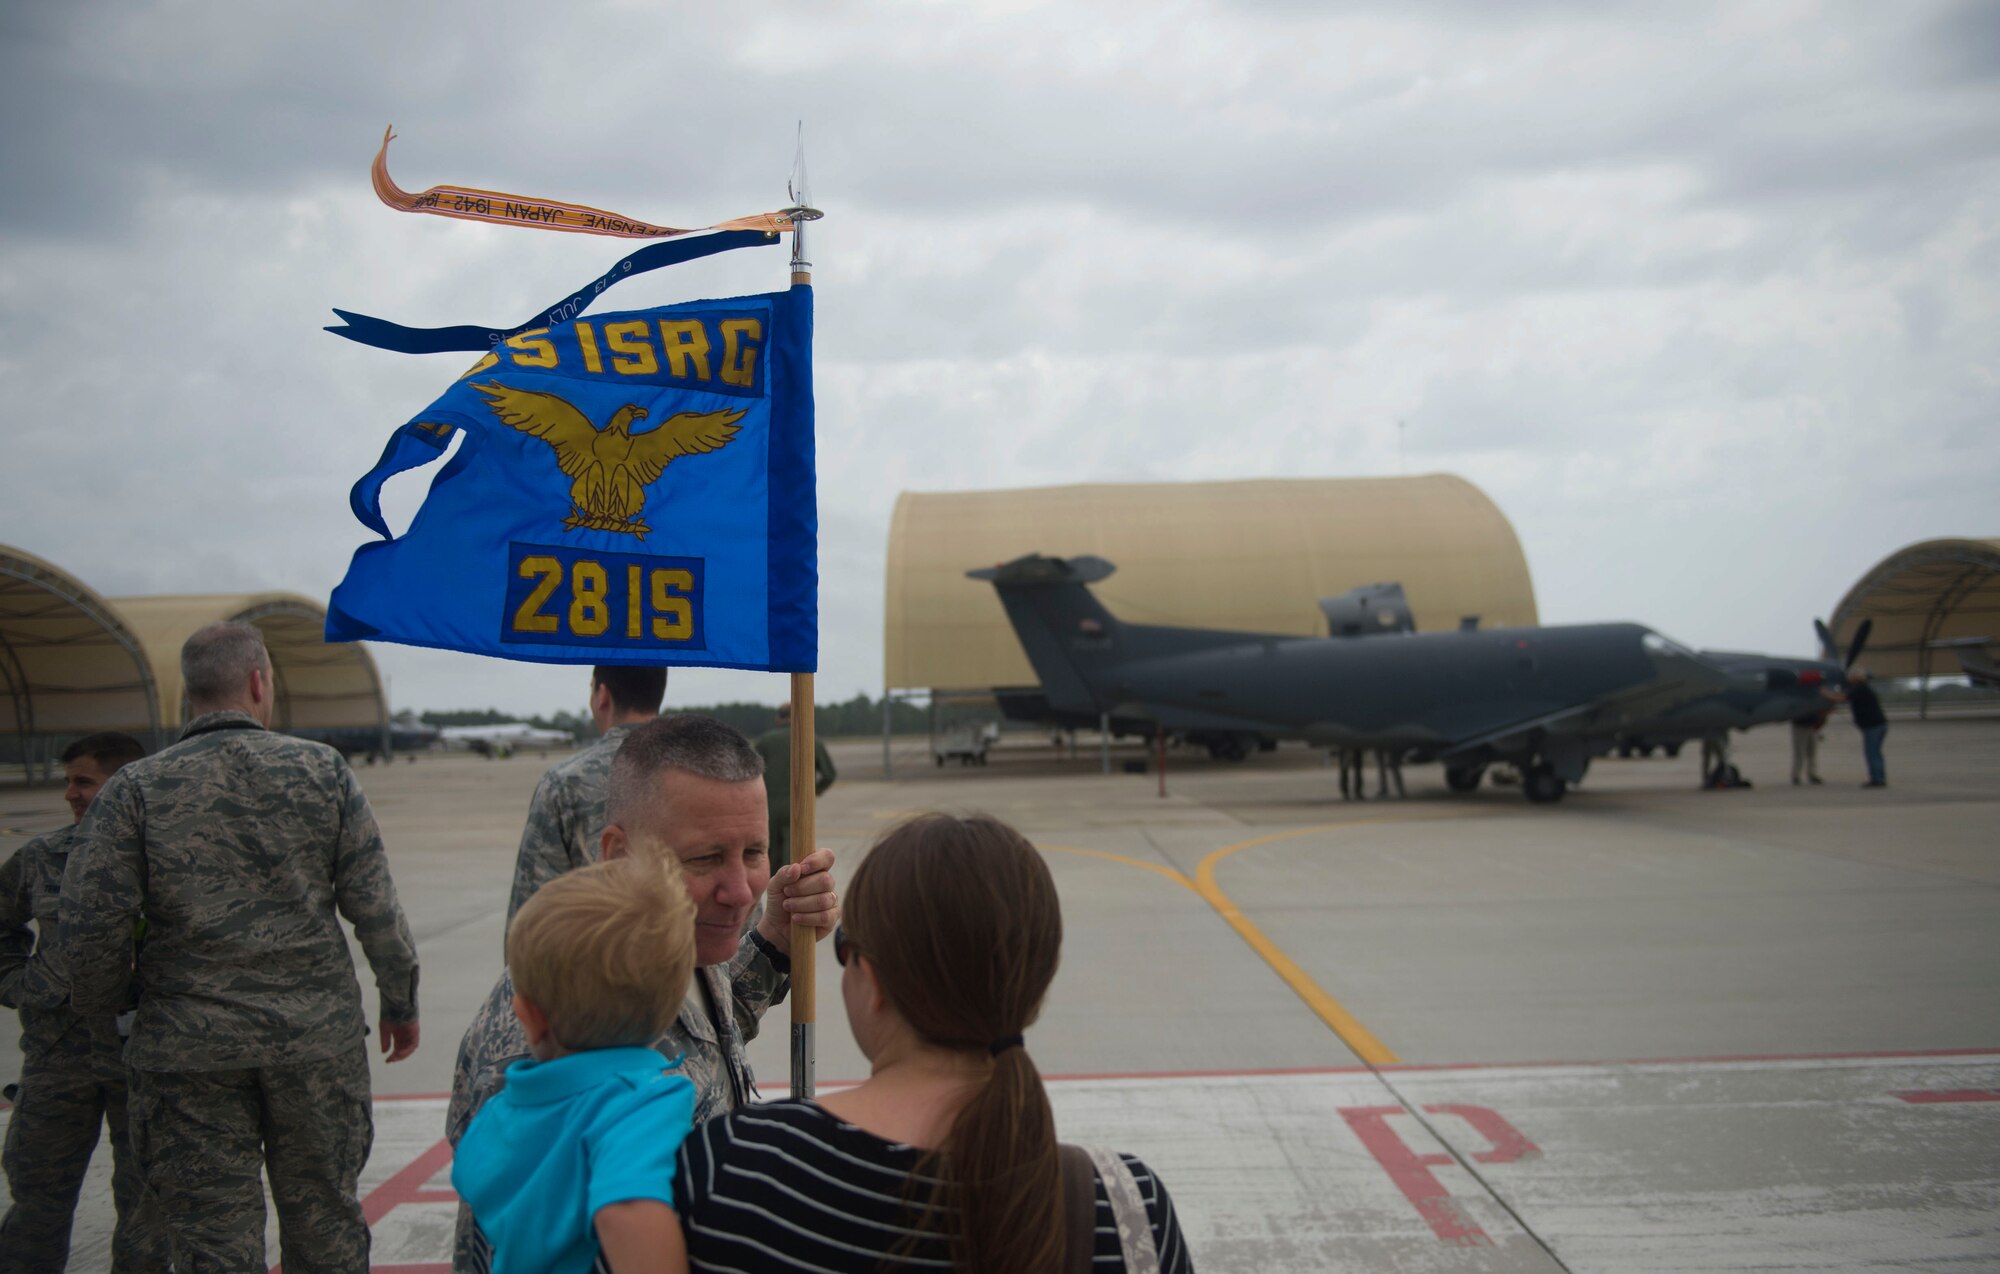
pixel 72 1063
pixel 249 1052
pixel 775 746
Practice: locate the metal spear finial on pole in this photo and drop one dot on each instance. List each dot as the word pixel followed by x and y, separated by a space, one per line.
pixel 798 190
pixel 805 768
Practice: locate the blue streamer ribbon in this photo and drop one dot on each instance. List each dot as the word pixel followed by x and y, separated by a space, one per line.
pixel 383 334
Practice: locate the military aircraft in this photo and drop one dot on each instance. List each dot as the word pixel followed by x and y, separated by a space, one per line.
pixel 1977 660
pixel 504 738
pixel 1544 700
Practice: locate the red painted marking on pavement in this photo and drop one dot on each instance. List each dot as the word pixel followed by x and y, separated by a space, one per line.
pixel 1508 1143
pixel 408 1185
pixel 1938 1096
pixel 1412 1174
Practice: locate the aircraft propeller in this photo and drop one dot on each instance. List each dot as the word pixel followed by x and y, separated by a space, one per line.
pixel 1831 652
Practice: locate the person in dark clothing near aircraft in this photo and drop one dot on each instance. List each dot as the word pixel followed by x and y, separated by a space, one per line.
pixel 1869 719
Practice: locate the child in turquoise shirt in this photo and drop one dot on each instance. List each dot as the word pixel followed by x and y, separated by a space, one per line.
pixel 576 1154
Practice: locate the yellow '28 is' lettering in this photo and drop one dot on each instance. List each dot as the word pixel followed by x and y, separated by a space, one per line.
pixel 670 589
pixel 547 574
pixel 581 597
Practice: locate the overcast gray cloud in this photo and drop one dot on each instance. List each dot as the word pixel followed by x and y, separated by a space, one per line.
pixel 1706 297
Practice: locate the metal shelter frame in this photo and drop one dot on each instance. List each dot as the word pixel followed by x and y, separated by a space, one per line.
pixel 50 593
pixel 283 609
pixel 1934 583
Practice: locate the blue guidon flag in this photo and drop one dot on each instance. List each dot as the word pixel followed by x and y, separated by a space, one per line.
pixel 632 488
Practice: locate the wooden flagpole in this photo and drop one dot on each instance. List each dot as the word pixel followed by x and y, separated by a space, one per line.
pixel 804 781
pixel 805 949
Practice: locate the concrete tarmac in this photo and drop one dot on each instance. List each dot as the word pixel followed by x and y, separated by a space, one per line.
pixel 1650 1027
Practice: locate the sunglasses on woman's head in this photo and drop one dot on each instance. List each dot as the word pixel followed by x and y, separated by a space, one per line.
pixel 842 945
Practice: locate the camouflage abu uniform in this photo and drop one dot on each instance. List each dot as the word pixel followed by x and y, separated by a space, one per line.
pixel 565 820
pixel 249 1051
pixel 72 1082
pixel 710 1052
pixel 775 746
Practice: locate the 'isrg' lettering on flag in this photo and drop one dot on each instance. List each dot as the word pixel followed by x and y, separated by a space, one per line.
pixel 587 597
pixel 721 353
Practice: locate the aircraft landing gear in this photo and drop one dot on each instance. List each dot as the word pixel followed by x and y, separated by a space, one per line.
pixel 1541 784
pixel 1228 747
pixel 1463 778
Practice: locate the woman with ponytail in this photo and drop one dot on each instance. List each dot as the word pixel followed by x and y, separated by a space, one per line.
pixel 946 1157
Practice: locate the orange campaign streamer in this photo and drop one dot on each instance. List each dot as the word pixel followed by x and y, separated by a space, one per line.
pixel 468 204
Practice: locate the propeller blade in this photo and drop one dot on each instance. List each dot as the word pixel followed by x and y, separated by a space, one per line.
pixel 1827 649
pixel 1860 642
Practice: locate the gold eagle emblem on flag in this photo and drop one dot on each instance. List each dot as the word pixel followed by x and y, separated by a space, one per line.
pixel 612 466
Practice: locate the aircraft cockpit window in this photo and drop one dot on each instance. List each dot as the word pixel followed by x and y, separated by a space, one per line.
pixel 1657 645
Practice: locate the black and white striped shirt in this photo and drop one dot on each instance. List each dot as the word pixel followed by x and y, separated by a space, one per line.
pixel 786 1186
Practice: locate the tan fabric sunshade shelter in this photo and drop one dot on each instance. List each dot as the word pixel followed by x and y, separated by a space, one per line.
pixel 1928 601
pixel 70 661
pixel 320 686
pixel 1252 555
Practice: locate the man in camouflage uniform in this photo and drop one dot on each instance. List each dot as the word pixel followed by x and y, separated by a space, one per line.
pixel 690 786
pixel 72 1064
pixel 566 816
pixel 249 1053
pixel 775 746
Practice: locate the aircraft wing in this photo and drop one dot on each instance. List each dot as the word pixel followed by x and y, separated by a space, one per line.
pixel 1519 729
pixel 1606 713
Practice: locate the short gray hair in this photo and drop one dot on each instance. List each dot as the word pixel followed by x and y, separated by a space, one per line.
pixel 686 741
pixel 217 661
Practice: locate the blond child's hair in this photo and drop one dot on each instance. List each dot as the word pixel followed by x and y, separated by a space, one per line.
pixel 605 951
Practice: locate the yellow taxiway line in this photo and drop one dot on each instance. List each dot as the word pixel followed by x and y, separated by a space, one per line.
pixel 1329 1010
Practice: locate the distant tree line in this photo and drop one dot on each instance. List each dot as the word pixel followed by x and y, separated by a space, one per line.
pixel 860 715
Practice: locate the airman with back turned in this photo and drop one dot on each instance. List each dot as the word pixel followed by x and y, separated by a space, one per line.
pixel 243 849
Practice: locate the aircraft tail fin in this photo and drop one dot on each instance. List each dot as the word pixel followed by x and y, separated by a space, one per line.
pixel 1067 633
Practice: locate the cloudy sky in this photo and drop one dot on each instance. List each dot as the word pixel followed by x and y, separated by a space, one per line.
pixel 1707 298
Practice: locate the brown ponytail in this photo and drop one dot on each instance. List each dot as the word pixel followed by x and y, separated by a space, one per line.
pixel 959 919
